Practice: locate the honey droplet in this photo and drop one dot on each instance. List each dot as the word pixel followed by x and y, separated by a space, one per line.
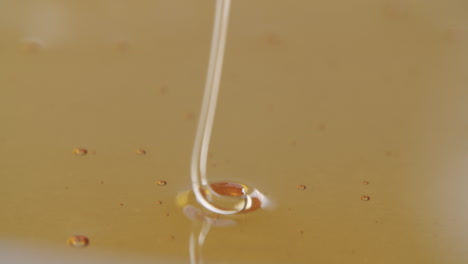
pixel 365 198
pixel 80 151
pixel 140 152
pixel 301 187
pixel 161 183
pixel 78 241
pixel 228 189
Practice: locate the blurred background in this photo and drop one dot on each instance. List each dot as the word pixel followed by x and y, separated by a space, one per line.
pixel 362 102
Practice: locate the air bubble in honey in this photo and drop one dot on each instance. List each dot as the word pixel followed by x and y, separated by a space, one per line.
pixel 365 198
pixel 140 152
pixel 80 151
pixel 78 241
pixel 161 183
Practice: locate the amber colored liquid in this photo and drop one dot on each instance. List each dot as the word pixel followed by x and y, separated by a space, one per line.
pixel 327 94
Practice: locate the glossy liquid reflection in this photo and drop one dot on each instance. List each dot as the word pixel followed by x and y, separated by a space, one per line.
pixel 224 195
pixel 221 198
pixel 325 94
pixel 204 192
